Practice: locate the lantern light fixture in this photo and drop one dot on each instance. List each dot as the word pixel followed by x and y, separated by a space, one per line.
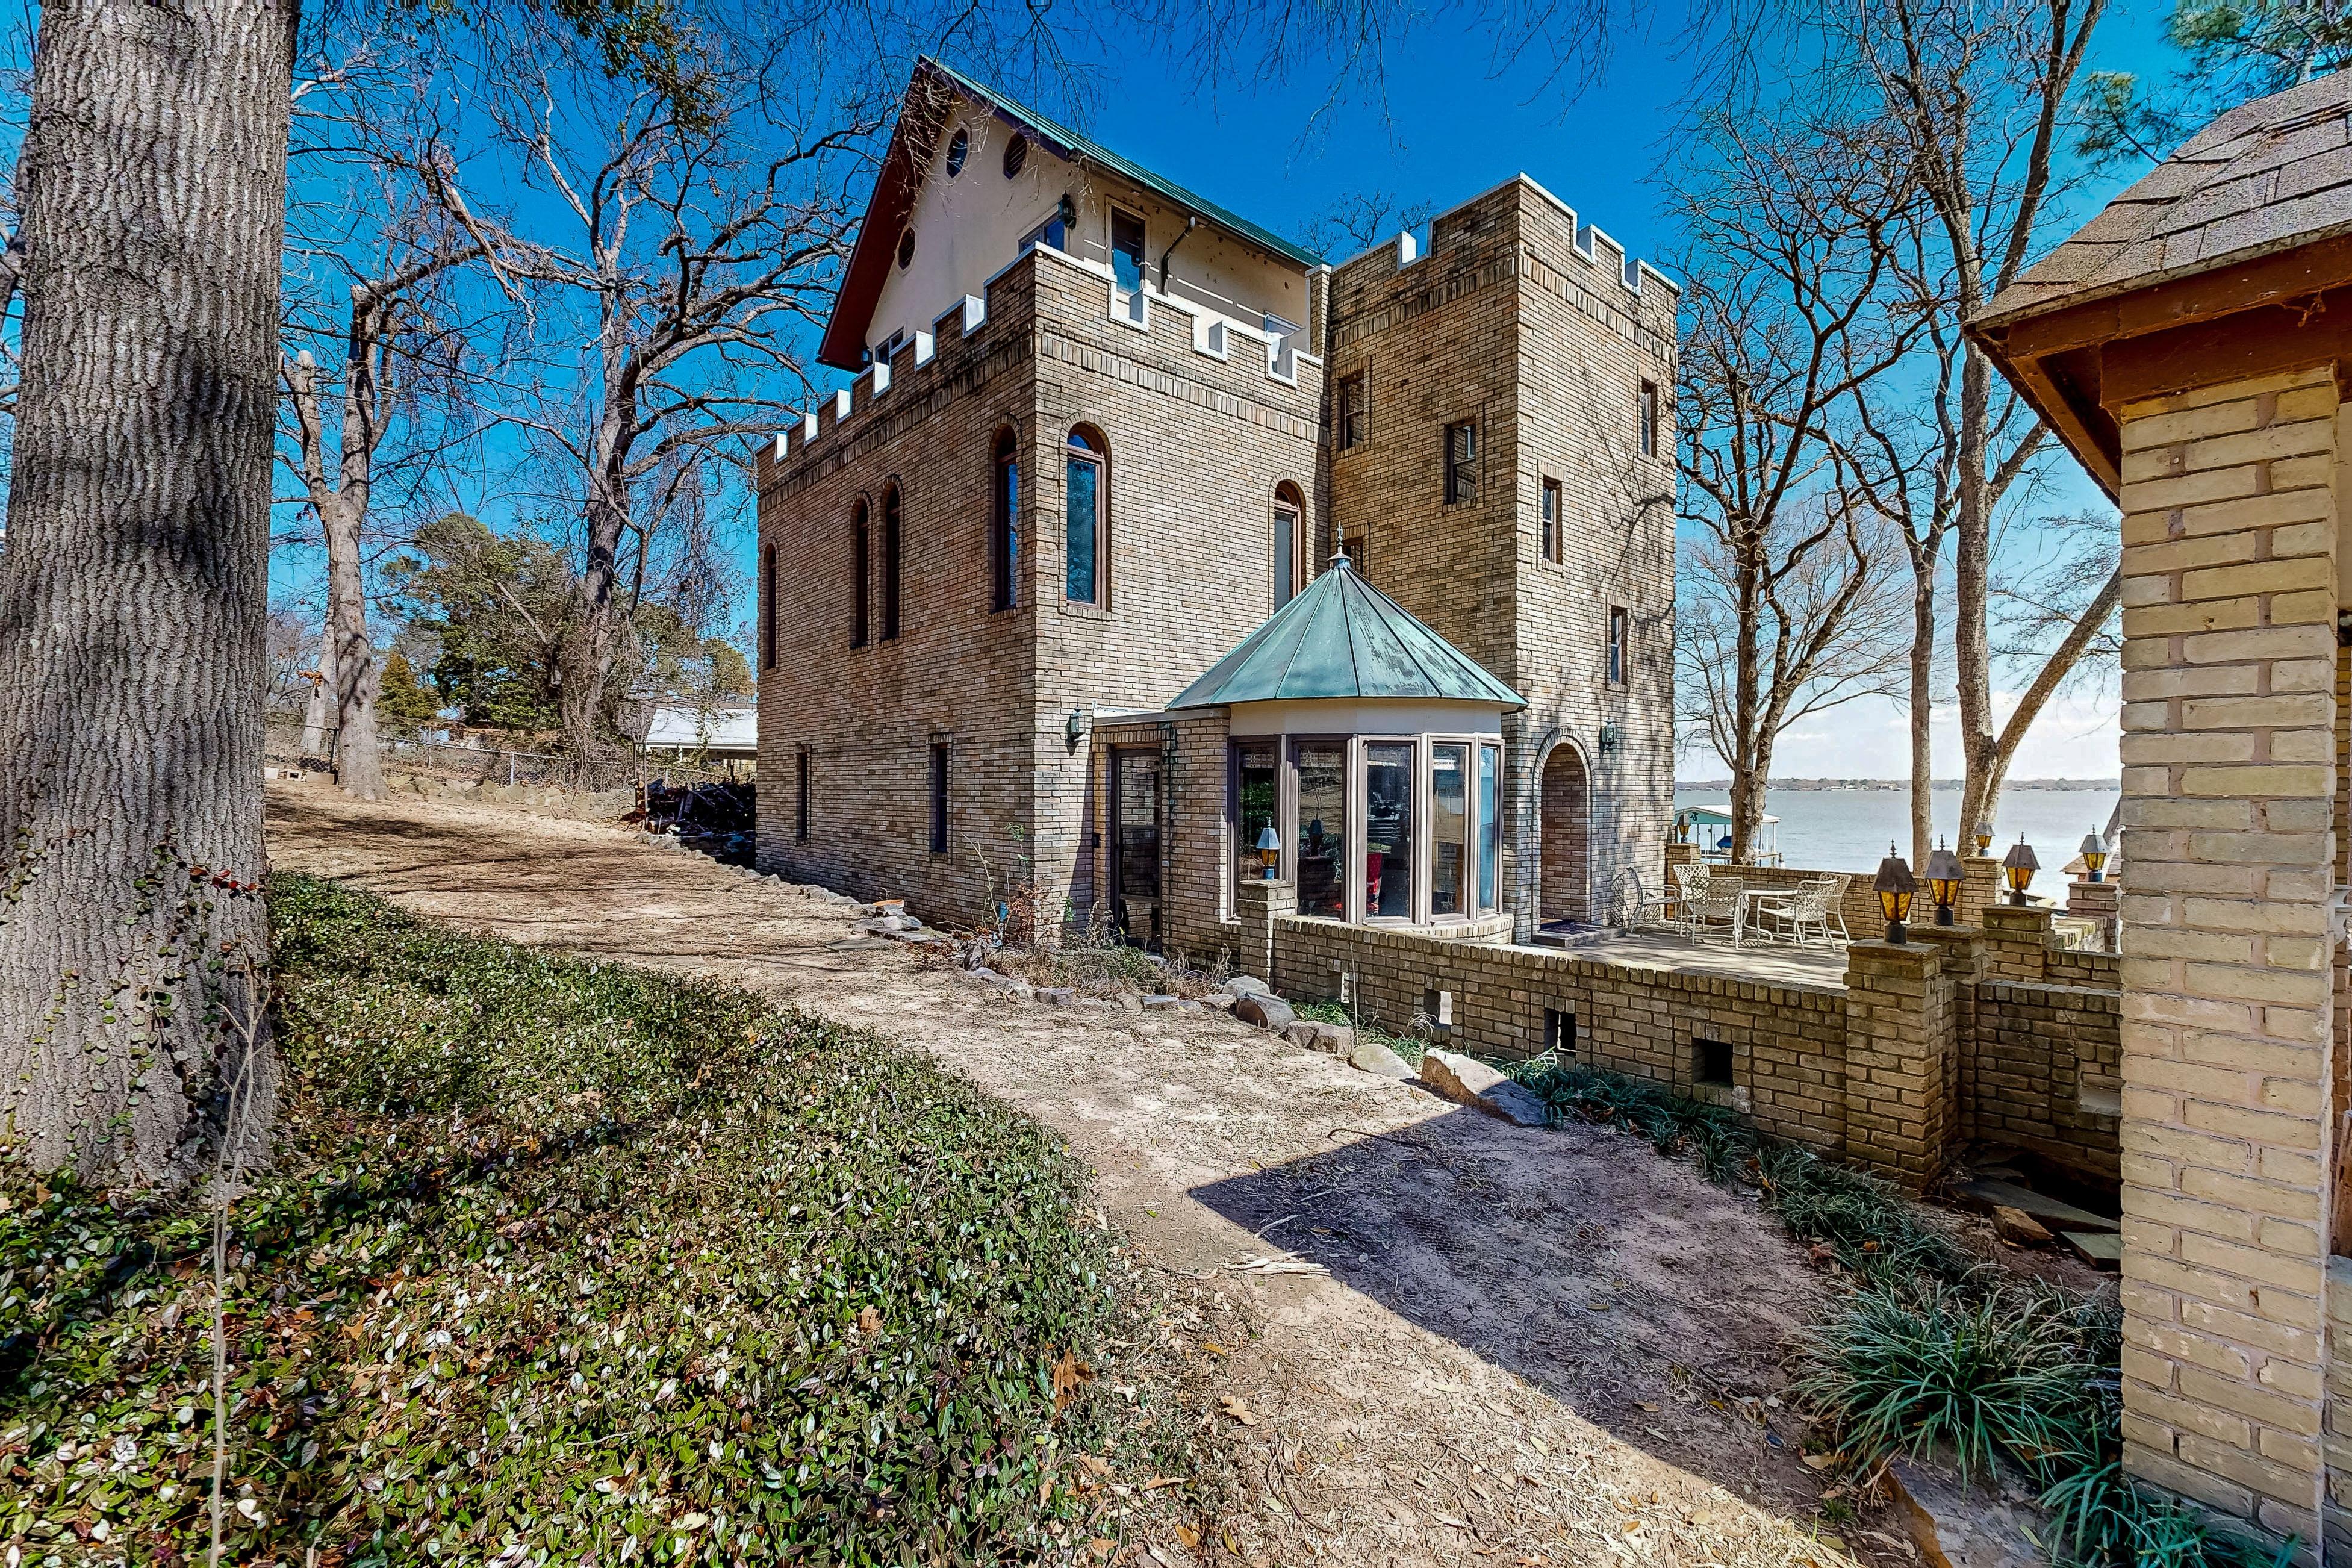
pixel 1942 881
pixel 2020 865
pixel 1269 850
pixel 1984 839
pixel 1896 886
pixel 2095 856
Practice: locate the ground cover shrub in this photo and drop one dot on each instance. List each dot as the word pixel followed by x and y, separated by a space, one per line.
pixel 1933 1352
pixel 1367 1026
pixel 561 1262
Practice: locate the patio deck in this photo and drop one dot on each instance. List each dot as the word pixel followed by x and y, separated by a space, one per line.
pixel 1772 963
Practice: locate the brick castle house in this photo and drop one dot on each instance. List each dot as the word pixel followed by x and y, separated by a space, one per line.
pixel 1102 435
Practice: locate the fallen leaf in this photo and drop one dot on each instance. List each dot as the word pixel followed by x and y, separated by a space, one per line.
pixel 1070 1375
pixel 1236 1409
pixel 869 1321
pixel 1649 1405
pixel 1214 1345
pixel 1818 1461
pixel 1102 1546
pixel 1189 1536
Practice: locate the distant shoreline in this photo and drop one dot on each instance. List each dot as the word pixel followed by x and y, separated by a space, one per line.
pixel 1904 785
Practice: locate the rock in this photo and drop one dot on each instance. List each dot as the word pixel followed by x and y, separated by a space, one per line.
pixel 1163 1004
pixel 1248 985
pixel 1265 1011
pixel 1373 1058
pixel 1058 996
pixel 1459 1078
pixel 1336 1039
pixel 889 905
pixel 1010 984
pixel 1218 1001
pixel 1187 1005
pixel 1957 1526
pixel 2019 1228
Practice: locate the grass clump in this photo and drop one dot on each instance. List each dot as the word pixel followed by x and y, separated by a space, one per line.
pixel 1367 1028
pixel 561 1261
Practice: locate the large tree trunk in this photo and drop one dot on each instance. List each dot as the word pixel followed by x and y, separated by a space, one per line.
pixel 318 709
pixel 359 767
pixel 1923 705
pixel 133 587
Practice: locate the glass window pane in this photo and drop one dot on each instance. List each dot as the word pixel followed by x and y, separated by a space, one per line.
pixel 1322 855
pixel 1449 830
pixel 1387 829
pixel 1285 556
pixel 1490 827
pixel 1127 250
pixel 1255 802
pixel 1085 478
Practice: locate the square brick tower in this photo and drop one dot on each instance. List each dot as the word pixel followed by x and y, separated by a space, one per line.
pixel 1499 441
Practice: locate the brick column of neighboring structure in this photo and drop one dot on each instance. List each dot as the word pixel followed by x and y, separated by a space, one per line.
pixel 1257 904
pixel 1901 1047
pixel 2228 657
pixel 1979 887
pixel 2086 900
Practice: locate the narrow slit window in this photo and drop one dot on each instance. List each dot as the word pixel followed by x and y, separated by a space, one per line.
pixel 800 796
pixel 1355 412
pixel 861 587
pixel 891 546
pixel 1620 639
pixel 1555 548
pixel 1646 412
pixel 1460 462
pixel 939 797
pixel 768 608
pixel 1289 544
pixel 1004 526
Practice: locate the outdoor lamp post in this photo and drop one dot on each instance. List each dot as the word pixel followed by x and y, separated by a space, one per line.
pixel 1984 837
pixel 1944 882
pixel 2020 866
pixel 1896 886
pixel 2095 856
pixel 1269 850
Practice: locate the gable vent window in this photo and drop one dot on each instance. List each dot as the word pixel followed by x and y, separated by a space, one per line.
pixel 906 250
pixel 1016 153
pixel 959 149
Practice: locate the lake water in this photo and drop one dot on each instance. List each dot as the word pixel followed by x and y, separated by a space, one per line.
pixel 1849 829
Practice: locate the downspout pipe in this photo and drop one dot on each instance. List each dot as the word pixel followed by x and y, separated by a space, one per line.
pixel 1190 224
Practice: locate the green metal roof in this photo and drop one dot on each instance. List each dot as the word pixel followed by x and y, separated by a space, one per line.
pixel 1343 637
pixel 1080 148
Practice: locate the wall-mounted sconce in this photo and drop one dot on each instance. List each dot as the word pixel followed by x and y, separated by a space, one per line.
pixel 1076 730
pixel 1607 737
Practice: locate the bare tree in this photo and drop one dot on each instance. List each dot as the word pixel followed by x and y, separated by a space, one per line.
pixel 1782 607
pixel 1977 93
pixel 695 254
pixel 1359 221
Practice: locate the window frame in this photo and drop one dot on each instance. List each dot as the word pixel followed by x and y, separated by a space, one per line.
pixel 1645 418
pixel 1460 473
pixel 938 786
pixel 892 541
pixel 1234 847
pixel 1096 455
pixel 1143 252
pixel 1004 521
pixel 1618 666
pixel 1289 577
pixel 1552 509
pixel 1355 413
pixel 959 151
pixel 861 586
pixel 801 768
pixel 767 606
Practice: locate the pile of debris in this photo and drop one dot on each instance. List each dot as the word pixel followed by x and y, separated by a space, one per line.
pixel 719 819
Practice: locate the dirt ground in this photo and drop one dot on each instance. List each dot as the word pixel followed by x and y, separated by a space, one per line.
pixel 1531 1345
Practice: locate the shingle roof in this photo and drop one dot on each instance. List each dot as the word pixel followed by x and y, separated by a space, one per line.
pixel 1343 637
pixel 1081 150
pixel 2267 176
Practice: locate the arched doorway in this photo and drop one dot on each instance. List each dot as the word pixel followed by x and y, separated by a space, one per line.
pixel 1565 891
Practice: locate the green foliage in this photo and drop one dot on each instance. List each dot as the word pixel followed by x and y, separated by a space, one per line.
pixel 501 605
pixel 2233 51
pixel 401 702
pixel 731 672
pixel 564 1259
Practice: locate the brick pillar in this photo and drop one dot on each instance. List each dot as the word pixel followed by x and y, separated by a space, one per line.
pixel 2017 942
pixel 1901 1047
pixel 1257 904
pixel 2229 657
pixel 2086 900
pixel 1979 887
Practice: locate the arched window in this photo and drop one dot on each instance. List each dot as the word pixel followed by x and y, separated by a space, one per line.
pixel 890 537
pixel 860 592
pixel 768 608
pixel 1005 524
pixel 1085 508
pixel 1289 542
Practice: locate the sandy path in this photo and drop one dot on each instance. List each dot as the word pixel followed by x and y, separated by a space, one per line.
pixel 1531 1344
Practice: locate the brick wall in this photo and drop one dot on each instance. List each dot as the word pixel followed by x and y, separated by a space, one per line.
pixel 2229 751
pixel 2042 1071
